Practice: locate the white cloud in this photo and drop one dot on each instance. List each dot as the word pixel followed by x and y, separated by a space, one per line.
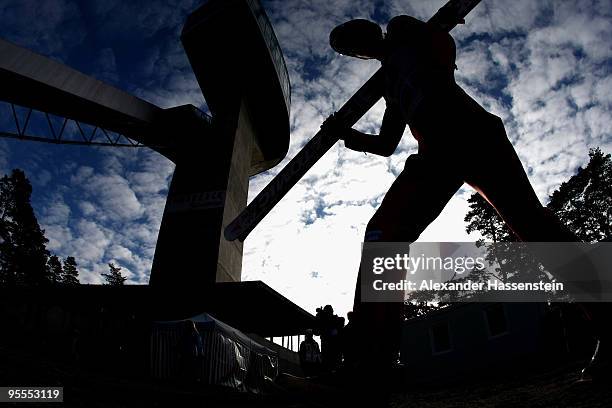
pixel 90 242
pixel 50 26
pixel 108 211
pixel 87 207
pixel 106 66
pixel 56 212
pixel 57 235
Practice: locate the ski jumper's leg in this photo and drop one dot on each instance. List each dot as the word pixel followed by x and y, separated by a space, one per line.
pixel 497 174
pixel 502 181
pixel 414 200
pixel 500 178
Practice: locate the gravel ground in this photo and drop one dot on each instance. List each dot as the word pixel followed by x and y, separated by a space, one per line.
pixel 556 388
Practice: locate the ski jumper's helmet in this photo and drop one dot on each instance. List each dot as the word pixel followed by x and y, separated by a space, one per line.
pixel 356 38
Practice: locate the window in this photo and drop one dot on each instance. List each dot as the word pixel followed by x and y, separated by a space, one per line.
pixel 495 316
pixel 440 337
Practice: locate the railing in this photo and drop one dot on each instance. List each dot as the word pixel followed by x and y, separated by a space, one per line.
pixel 277 55
pixel 38 126
pixel 289 342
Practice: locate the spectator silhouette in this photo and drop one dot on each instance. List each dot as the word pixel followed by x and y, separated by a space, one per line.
pixel 310 355
pixel 349 342
pixel 329 327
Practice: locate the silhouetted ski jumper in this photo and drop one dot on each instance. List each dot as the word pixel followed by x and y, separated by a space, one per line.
pixel 458 142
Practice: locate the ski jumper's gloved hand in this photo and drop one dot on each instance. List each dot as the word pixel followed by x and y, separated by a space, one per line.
pixel 333 126
pixel 384 144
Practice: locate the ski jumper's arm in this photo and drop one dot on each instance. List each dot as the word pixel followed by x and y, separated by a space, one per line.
pixel 435 52
pixel 383 144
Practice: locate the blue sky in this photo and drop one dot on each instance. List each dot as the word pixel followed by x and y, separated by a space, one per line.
pixel 544 67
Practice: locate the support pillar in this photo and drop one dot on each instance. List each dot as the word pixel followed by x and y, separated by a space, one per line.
pixel 209 188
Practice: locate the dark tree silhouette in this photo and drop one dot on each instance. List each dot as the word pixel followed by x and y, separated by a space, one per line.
pixel 508 260
pixel 54 267
pixel 114 277
pixel 584 202
pixel 23 255
pixel 483 218
pixel 70 273
pixel 414 308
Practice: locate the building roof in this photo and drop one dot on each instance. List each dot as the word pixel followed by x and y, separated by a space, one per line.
pixel 252 307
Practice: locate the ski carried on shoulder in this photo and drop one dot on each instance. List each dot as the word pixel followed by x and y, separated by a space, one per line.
pixel 447 17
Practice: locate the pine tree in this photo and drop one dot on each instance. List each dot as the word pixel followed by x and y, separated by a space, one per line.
pixel 506 262
pixel 114 277
pixel 54 266
pixel 415 308
pixel 23 254
pixel 70 274
pixel 584 202
pixel 483 218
